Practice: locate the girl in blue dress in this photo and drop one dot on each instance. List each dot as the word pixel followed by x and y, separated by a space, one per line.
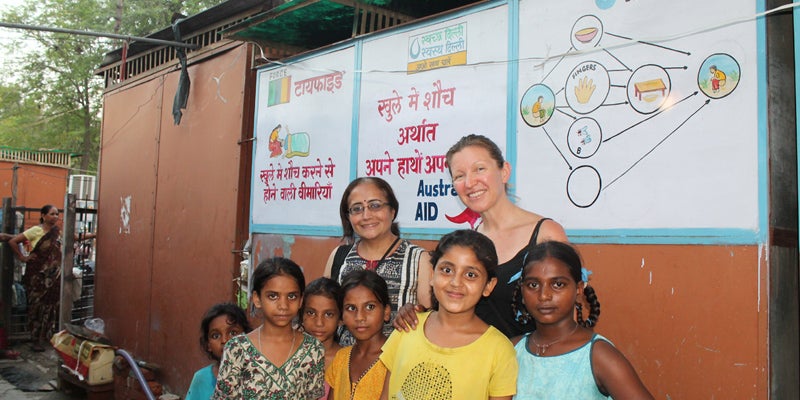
pixel 564 358
pixel 221 323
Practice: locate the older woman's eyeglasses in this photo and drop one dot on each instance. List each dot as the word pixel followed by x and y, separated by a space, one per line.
pixel 372 206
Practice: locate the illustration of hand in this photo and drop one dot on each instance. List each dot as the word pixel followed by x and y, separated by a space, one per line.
pixel 584 90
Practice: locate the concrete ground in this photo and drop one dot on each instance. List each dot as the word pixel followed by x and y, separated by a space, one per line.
pixel 32 376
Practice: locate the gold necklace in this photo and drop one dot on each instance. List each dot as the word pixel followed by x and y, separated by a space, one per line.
pixel 541 348
pixel 261 349
pixel 354 383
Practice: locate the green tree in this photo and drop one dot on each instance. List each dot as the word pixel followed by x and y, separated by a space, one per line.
pixel 19 114
pixel 53 99
pixel 143 17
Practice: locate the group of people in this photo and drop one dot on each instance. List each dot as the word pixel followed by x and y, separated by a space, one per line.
pixel 494 313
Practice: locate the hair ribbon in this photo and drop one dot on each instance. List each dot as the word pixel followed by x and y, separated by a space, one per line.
pixel 585 274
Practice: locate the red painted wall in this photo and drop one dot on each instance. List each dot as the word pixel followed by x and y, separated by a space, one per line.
pixel 37 185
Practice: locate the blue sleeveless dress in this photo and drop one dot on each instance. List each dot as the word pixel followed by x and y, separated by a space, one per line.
pixel 566 376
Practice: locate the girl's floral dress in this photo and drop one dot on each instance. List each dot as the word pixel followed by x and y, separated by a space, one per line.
pixel 245 373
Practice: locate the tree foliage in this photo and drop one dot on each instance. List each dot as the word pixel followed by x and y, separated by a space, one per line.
pixel 51 98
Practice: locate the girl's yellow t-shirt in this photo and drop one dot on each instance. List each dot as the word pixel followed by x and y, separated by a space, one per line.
pixel 420 369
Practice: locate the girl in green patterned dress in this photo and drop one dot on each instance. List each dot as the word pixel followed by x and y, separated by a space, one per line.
pixel 274 361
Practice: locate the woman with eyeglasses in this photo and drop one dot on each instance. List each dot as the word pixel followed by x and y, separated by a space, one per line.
pixel 372 241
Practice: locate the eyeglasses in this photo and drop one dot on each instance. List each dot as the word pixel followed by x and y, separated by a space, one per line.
pixel 372 206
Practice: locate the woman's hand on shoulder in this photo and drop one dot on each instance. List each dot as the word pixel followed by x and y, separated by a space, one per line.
pixel 615 375
pixel 424 273
pixel 406 319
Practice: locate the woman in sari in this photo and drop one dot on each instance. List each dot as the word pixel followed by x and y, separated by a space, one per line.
pixel 42 278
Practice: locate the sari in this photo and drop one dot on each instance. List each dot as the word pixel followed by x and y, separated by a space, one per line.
pixel 42 281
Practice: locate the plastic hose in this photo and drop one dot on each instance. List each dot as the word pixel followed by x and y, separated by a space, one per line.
pixel 138 372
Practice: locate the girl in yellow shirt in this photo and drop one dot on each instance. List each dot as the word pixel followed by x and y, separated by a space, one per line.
pixel 453 354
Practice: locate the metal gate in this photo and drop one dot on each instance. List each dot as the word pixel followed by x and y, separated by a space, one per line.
pixel 83 266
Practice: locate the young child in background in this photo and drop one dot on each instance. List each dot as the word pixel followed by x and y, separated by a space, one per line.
pixel 356 372
pixel 564 358
pixel 222 322
pixel 274 361
pixel 453 354
pixel 322 316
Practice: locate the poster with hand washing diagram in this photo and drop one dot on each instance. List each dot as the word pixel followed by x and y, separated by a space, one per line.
pixel 639 115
